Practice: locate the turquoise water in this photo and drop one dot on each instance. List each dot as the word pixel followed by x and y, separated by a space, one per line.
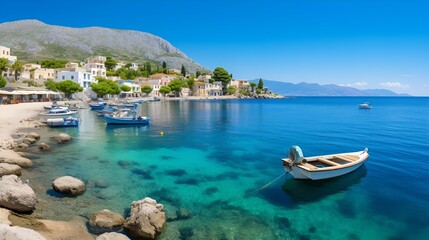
pixel 214 155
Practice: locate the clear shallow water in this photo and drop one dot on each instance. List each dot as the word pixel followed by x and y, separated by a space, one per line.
pixel 214 155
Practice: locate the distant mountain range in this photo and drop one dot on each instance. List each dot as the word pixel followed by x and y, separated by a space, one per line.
pixel 314 89
pixel 32 40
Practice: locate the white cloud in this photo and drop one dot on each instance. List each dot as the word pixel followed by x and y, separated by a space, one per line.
pixel 355 84
pixel 394 85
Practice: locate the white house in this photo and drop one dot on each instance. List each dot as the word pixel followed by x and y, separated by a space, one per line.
pixel 96 69
pixel 5 53
pixel 84 79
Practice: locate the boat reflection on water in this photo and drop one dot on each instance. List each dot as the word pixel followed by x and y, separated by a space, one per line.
pixel 294 192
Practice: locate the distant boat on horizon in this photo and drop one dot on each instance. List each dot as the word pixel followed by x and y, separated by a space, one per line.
pixel 365 105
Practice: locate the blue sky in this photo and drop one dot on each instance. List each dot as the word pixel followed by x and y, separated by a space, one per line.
pixel 359 43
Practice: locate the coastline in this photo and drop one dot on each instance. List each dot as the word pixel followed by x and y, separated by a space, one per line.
pixel 12 119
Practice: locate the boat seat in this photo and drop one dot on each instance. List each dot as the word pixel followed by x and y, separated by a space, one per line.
pixel 309 166
pixel 324 160
pixel 345 158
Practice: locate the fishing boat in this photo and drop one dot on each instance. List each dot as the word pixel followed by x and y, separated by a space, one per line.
pixel 59 112
pixel 97 105
pixel 63 122
pixel 322 167
pixel 365 105
pixel 126 117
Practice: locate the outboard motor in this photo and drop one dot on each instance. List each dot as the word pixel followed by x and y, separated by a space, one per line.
pixel 295 155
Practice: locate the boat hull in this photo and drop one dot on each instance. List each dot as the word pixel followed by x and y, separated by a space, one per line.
pixel 121 121
pixel 63 122
pixel 299 173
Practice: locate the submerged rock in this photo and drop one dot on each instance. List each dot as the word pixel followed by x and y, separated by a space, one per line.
pixel 16 195
pixel 112 236
pixel 18 233
pixel 44 147
pixel 147 219
pixel 9 169
pixel 69 185
pixel 62 138
pixel 106 219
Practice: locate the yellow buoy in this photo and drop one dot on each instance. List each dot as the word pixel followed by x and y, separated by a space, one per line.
pixel 161 133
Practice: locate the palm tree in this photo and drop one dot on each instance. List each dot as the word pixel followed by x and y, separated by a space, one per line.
pixel 17 67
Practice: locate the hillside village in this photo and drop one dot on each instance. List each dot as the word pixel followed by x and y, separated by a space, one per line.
pixel 162 82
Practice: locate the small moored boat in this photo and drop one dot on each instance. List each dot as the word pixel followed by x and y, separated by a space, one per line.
pixel 365 105
pixel 97 105
pixel 322 167
pixel 126 117
pixel 58 112
pixel 63 122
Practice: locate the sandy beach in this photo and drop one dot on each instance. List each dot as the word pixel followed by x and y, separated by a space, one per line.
pixel 17 116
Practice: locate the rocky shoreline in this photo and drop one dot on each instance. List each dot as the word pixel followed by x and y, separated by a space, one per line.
pixel 18 200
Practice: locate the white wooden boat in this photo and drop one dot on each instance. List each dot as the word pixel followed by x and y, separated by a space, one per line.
pixel 322 167
pixel 59 112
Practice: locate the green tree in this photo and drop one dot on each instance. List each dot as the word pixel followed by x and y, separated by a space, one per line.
pixel 176 86
pixel 4 62
pixel 104 87
pixel 17 67
pixel 148 67
pixel 164 67
pixel 191 82
pixel 146 89
pixel 51 85
pixel 54 63
pixel 260 84
pixel 258 91
pixel 252 86
pixel 198 73
pixel 183 71
pixel 220 74
pixel 2 81
pixel 110 63
pixel 69 87
pixel 165 90
pixel 125 88
pixel 231 90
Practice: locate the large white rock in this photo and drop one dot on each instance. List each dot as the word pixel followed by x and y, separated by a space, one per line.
pixel 69 185
pixel 16 195
pixel 112 236
pixel 11 157
pixel 18 233
pixel 146 220
pixel 106 219
pixel 9 169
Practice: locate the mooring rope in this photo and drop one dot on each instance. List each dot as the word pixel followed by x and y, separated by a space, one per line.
pixel 268 184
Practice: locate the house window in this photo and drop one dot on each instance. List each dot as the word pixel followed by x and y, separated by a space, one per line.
pixel 72 77
pixel 84 76
pixel 63 77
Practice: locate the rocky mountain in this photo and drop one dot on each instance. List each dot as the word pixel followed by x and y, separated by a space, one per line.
pixel 32 40
pixel 314 89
